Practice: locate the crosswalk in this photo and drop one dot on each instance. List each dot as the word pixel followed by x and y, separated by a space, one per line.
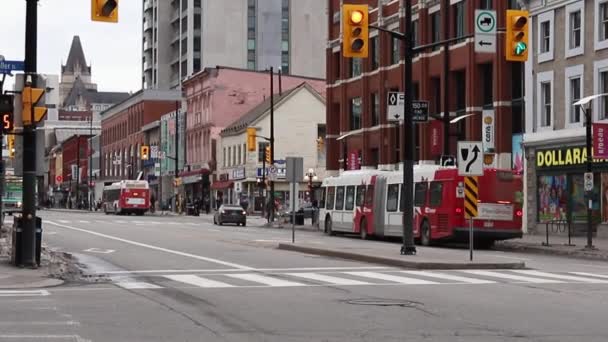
pixel 258 279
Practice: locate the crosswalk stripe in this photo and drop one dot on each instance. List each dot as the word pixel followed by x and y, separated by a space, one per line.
pixel 270 281
pixel 23 293
pixel 513 277
pixel 63 221
pixel 590 274
pixel 449 277
pixel 561 276
pixel 397 279
pixel 197 281
pixel 119 221
pixel 328 279
pixel 134 285
pixel 82 221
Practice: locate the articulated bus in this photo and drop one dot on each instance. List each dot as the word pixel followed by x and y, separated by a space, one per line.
pixel 369 202
pixel 126 197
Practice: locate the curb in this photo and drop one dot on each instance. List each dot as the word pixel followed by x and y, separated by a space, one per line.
pixel 399 262
pixel 532 249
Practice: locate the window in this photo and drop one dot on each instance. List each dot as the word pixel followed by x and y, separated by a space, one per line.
pixel 575 29
pixel 460 20
pixel 322 201
pixel 392 197
pixel 415 33
pixel 244 153
pixel 375 102
pixel 369 195
pixel 553 197
pixel 360 195
pixel 575 95
pixel 436 194
pixel 355 113
pixel 603 21
pixel 544 100
pixel 396 51
pixel 486 4
pixel 545 37
pixel 375 53
pixel 224 158
pixel 355 67
pixel 340 198
pixel 350 198
pixel 603 113
pixel 545 95
pixel 238 161
pixel 435 28
pixel 331 192
pixel 420 194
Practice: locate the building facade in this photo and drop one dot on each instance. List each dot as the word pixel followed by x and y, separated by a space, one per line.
pixel 455 81
pixel 569 61
pixel 181 37
pixel 298 112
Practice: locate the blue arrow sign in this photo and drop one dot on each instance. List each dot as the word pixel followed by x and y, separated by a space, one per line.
pixel 7 66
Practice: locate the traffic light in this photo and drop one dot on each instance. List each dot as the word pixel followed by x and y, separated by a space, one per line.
pixel 104 10
pixel 6 113
pixel 517 36
pixel 33 110
pixel 251 139
pixel 355 22
pixel 267 155
pixel 10 141
pixel 144 152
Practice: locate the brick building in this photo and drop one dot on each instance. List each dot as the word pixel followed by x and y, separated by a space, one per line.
pixel 122 133
pixel 476 83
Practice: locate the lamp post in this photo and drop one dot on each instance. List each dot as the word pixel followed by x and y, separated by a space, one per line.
pixel 310 176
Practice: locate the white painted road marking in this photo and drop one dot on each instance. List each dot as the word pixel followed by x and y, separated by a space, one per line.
pixel 166 250
pixel 328 279
pixel 100 250
pixel 449 277
pixel 270 281
pixel 397 279
pixel 23 293
pixel 197 281
pixel 590 274
pixel 561 276
pixel 133 285
pixel 513 277
pixel 44 337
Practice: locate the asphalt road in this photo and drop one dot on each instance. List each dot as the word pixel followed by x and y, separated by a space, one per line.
pixel 183 279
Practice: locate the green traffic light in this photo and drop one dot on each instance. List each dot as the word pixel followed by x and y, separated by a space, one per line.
pixel 520 48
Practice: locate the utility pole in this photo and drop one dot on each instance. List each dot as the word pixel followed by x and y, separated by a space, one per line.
pixel 272 141
pixel 77 170
pixel 176 153
pixel 446 77
pixel 28 240
pixel 90 164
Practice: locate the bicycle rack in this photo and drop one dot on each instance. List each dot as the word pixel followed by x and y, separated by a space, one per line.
pixel 558 226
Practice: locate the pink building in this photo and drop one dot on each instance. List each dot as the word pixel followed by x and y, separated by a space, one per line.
pixel 216 98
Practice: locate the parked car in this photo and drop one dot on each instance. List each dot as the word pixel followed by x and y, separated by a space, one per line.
pixel 230 213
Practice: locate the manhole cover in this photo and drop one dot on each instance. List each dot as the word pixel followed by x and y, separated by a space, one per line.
pixel 384 302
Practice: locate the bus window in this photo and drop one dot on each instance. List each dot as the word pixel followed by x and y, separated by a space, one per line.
pixel 369 195
pixel 436 194
pixel 360 195
pixel 331 191
pixel 392 197
pixel 340 198
pixel 350 198
pixel 420 194
pixel 321 194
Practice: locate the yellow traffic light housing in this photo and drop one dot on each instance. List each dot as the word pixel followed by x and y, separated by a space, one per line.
pixel 355 28
pixel 32 111
pixel 251 139
pixel 268 155
pixel 517 36
pixel 144 152
pixel 10 142
pixel 104 10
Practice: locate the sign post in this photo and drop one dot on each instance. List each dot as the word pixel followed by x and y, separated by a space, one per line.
pixel 470 165
pixel 485 31
pixel 294 174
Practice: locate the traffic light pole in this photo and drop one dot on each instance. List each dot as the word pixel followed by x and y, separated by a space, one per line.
pixel 272 142
pixel 28 240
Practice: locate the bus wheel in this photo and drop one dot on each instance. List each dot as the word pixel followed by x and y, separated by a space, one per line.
pixel 363 229
pixel 328 225
pixel 425 234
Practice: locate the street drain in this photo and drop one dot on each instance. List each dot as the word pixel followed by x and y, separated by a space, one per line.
pixel 384 302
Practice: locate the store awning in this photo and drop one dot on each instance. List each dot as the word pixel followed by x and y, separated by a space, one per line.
pixel 221 185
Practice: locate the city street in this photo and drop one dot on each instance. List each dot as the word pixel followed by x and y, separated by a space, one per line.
pixel 182 279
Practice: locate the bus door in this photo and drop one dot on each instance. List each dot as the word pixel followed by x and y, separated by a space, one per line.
pixel 379 197
pixel 337 217
pixel 394 219
pixel 348 216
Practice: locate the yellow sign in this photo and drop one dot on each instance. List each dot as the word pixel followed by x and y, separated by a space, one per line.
pixel 563 157
pixel 471 194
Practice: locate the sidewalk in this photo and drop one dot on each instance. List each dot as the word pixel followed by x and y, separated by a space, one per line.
pixel 380 252
pixel 12 277
pixel 533 243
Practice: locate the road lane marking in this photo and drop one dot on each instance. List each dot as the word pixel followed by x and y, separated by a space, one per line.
pixel 561 276
pixel 133 285
pixel 100 250
pixel 397 279
pixel 270 281
pixel 82 221
pixel 63 221
pixel 44 337
pixel 449 277
pixel 590 274
pixel 220 270
pixel 23 293
pixel 166 250
pixel 513 277
pixel 328 279
pixel 197 281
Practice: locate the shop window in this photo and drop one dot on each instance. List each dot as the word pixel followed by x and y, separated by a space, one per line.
pixel 553 197
pixel 579 200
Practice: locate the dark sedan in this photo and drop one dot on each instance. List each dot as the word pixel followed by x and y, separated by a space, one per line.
pixel 229 213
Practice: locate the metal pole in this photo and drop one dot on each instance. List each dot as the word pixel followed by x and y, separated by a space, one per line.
pixel 471 239
pixel 77 170
pixel 263 187
pixel 272 141
pixel 589 193
pixel 293 212
pixel 446 73
pixel 28 241
pixel 2 179
pixel 408 247
pixel 90 164
pixel 160 177
pixel 176 153
pixel 280 82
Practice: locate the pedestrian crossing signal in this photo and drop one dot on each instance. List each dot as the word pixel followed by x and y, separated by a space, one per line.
pixel 144 152
pixel 104 10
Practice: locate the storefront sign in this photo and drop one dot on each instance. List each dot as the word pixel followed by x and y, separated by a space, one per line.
pixel 488 130
pixel 238 173
pixel 353 161
pixel 563 157
pixel 436 137
pixel 600 140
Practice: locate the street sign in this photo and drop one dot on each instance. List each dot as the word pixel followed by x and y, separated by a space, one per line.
pixel 154 151
pixel 272 172
pixel 471 194
pixel 470 158
pixel 485 31
pixel 6 67
pixel 396 102
pixel 420 111
pixel 588 181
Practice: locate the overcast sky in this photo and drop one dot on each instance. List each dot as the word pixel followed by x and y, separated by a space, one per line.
pixel 113 50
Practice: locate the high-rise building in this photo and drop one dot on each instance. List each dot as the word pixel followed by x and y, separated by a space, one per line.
pixel 181 37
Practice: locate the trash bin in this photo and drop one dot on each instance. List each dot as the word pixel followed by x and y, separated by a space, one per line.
pixel 299 217
pixel 17 253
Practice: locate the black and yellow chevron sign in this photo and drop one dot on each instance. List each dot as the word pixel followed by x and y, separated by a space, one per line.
pixel 471 193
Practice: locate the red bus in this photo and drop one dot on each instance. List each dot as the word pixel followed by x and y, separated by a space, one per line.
pixel 370 203
pixel 126 197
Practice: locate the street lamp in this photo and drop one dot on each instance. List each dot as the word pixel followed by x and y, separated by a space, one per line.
pixel 310 176
pixel 584 104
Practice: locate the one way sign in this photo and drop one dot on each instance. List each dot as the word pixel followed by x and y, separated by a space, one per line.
pixel 470 158
pixel 396 101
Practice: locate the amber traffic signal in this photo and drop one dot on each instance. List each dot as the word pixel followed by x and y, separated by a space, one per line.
pixel 10 142
pixel 104 10
pixel 33 109
pixel 251 139
pixel 144 152
pixel 267 155
pixel 517 36
pixel 355 28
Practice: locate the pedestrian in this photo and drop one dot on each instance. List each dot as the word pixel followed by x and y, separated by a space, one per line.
pixel 207 204
pixel 152 203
